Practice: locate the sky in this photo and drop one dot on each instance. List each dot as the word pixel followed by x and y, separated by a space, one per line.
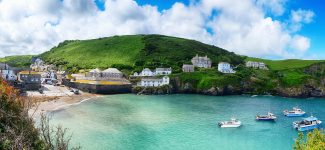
pixel 273 29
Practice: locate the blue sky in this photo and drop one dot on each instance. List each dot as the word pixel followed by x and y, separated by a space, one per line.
pixel 274 29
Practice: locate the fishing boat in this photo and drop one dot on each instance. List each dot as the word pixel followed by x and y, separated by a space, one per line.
pixel 233 123
pixel 307 124
pixel 268 117
pixel 295 112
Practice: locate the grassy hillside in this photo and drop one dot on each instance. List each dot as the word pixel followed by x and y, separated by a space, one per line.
pixel 285 64
pixel 20 61
pixel 134 52
pixel 96 53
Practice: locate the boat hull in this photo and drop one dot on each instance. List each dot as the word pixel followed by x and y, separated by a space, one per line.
pixel 230 126
pixel 307 128
pixel 294 115
pixel 265 119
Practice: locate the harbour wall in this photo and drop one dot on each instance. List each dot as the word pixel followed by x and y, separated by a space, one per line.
pixel 99 89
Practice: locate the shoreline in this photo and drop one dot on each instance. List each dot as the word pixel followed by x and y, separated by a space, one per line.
pixel 46 104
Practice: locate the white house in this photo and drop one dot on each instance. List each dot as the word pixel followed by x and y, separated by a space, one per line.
pixel 163 71
pixel 112 73
pixel 8 75
pixel 259 65
pixel 188 68
pixel 147 72
pixel 154 82
pixel 225 68
pixel 202 62
pixel 158 71
pixel 95 73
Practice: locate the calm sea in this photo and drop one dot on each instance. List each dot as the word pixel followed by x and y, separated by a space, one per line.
pixel 183 122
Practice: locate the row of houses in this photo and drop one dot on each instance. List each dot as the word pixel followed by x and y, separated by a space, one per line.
pixel 105 74
pixel 205 62
pixel 224 67
pixel 197 61
pixel 258 65
pixel 158 71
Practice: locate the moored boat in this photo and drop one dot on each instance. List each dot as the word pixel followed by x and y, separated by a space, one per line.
pixel 268 117
pixel 233 123
pixel 295 112
pixel 307 124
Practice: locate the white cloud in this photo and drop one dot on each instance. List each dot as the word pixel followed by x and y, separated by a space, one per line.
pixel 274 6
pixel 242 26
pixel 300 43
pixel 300 17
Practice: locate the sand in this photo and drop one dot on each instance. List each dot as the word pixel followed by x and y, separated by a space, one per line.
pixel 54 99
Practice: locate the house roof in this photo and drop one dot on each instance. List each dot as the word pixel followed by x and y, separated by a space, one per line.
pixel 28 72
pixel 187 65
pixel 311 118
pixel 223 63
pixel 112 70
pixel 163 69
pixel 201 58
pixel 154 78
pixel 146 69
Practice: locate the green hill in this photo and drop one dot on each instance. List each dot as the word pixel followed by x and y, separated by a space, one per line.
pixel 20 61
pixel 134 52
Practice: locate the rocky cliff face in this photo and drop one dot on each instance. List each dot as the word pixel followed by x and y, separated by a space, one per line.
pixel 304 91
pixel 313 87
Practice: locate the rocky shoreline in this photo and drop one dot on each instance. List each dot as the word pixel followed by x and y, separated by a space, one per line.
pixel 176 87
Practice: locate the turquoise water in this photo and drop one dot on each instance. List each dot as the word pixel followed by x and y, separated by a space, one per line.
pixel 179 122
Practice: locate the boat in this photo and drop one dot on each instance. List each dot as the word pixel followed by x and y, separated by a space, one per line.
pixel 295 112
pixel 233 123
pixel 307 124
pixel 268 117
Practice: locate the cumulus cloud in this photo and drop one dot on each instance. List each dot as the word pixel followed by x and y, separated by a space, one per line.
pixel 34 26
pixel 300 17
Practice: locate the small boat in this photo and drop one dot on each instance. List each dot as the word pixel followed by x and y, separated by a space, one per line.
pixel 307 124
pixel 295 112
pixel 233 123
pixel 268 117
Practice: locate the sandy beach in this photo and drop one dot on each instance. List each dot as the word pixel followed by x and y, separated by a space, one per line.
pixel 55 98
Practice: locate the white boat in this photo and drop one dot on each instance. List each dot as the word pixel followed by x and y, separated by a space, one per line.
pixel 233 123
pixel 307 124
pixel 268 117
pixel 295 112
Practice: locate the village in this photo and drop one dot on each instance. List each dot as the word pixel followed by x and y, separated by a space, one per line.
pixel 43 79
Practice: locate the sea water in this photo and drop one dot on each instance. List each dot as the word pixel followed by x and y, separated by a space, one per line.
pixel 183 122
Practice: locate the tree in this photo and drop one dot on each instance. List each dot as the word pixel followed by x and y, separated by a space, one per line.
pixel 314 141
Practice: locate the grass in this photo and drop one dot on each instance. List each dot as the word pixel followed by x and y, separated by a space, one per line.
pixel 285 64
pixel 19 61
pixel 293 78
pixel 205 79
pixel 101 53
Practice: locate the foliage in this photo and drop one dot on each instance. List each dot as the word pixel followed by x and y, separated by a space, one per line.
pixel 19 61
pixel 17 129
pixel 290 78
pixel 314 141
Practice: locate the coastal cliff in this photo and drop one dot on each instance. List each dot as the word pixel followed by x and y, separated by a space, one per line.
pixel 298 83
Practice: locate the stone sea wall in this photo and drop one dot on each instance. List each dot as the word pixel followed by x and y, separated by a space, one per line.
pixel 100 89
